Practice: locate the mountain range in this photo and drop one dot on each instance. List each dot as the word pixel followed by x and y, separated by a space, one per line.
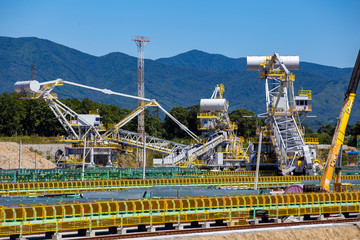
pixel 181 80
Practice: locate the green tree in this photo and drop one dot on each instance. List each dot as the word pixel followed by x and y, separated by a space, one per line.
pixel 11 114
pixel 307 129
pixel 153 126
pixel 112 114
pixel 172 129
pixel 40 120
pixel 354 132
pixel 192 119
pixel 246 122
pixel 328 129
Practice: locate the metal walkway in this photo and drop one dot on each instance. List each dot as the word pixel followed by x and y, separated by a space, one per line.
pixel 152 143
pixel 288 141
pixel 186 157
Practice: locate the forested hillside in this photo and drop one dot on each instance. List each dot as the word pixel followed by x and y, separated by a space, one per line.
pixel 34 117
pixel 181 80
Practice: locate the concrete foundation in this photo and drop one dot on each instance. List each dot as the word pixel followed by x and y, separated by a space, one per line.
pixel 56 237
pixel 90 233
pixel 205 225
pixel 151 229
pixel 179 227
pixel 255 222
pixel 121 231
pixel 278 220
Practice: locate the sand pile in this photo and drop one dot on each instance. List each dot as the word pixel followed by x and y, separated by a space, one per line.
pixel 9 157
pixel 343 232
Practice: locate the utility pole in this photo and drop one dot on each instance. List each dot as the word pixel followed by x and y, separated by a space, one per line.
pixel 258 161
pixel 140 42
pixel 83 161
pixel 20 145
pixel 144 157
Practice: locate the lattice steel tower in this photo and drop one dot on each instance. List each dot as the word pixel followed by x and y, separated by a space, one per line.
pixel 140 42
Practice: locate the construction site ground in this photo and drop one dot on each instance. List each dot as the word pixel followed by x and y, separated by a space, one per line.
pixel 326 233
pixel 9 157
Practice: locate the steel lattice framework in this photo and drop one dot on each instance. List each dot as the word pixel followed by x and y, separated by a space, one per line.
pixel 140 42
pixel 282 122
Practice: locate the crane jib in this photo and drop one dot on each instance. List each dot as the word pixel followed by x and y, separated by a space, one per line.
pixel 355 77
pixel 340 129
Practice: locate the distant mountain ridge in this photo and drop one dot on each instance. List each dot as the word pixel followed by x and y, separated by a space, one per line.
pixel 206 62
pixel 181 80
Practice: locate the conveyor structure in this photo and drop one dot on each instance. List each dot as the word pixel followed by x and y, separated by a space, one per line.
pixel 85 131
pixel 220 147
pixel 215 120
pixel 284 144
pixel 235 210
pixel 71 187
pixel 44 175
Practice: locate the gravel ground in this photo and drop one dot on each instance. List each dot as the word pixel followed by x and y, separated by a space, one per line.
pixel 325 233
pixel 9 157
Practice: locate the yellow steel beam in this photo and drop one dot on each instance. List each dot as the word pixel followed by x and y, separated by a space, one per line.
pixel 38 218
pixel 36 188
pixel 337 141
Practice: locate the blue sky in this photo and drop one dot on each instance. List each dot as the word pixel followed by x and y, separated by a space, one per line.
pixel 324 32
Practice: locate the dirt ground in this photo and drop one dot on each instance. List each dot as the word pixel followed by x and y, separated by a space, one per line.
pixel 323 233
pixel 9 157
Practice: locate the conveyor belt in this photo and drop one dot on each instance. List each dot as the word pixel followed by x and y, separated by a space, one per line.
pixel 63 217
pixel 46 175
pixel 68 187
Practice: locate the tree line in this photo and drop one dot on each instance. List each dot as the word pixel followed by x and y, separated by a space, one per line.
pixel 34 117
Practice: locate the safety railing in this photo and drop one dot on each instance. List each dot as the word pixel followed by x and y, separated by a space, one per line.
pixel 207 115
pixel 309 140
pixel 65 216
pixel 134 207
pixel 32 188
pixel 305 93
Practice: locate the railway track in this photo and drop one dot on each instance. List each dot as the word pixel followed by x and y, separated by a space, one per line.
pixel 219 229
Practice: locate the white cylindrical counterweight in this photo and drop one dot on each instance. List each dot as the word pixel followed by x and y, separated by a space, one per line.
pixel 27 86
pixel 291 62
pixel 212 105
